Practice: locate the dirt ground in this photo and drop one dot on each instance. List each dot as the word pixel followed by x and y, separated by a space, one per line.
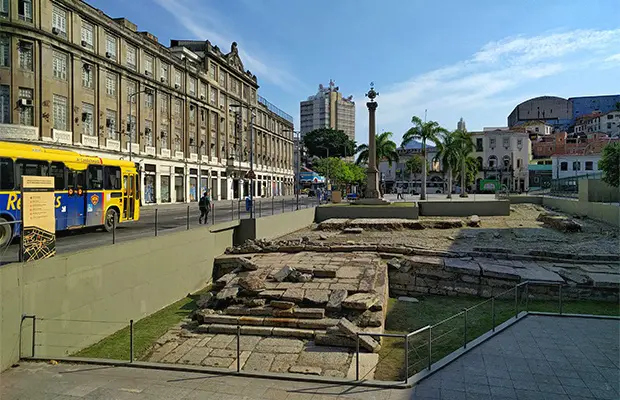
pixel 520 232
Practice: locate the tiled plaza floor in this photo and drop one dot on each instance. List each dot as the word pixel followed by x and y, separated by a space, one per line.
pixel 545 358
pixel 539 357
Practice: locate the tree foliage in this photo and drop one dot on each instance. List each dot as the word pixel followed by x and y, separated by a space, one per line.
pixel 414 164
pixel 386 150
pixel 610 164
pixel 338 143
pixel 340 172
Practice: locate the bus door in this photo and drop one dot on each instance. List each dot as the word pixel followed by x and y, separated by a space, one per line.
pixel 129 196
pixel 76 199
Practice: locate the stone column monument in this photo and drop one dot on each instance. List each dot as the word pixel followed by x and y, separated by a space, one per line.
pixel 372 194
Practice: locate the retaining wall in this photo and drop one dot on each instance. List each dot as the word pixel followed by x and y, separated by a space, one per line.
pixel 462 208
pixel 351 211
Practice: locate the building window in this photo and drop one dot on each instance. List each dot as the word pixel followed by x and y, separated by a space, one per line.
pixel 59 64
pixel 576 165
pixel 5 51
pixel 177 139
pixel 163 141
pixel 131 57
pixel 163 105
pixel 4 8
pixel 222 99
pixel 192 113
pixel 87 119
pixel 131 128
pixel 148 64
pixel 609 125
pixel 150 97
pixel 192 86
pixel 479 144
pixel 234 88
pixel 25 55
pixel 245 92
pixel 492 162
pixel 213 71
pixel 563 166
pixel 110 123
pixel 87 76
pixel 177 78
pixel 110 84
pixel 492 143
pixel 24 10
pixel 26 112
pixel 213 96
pixel 518 163
pixel 203 142
pixel 59 20
pixel 110 46
pixel 589 165
pixel 506 142
pixel 88 34
pixel 60 112
pixel 148 132
pixel 177 107
pixel 163 72
pixel 222 79
pixel 131 90
pixel 5 102
pixel 203 90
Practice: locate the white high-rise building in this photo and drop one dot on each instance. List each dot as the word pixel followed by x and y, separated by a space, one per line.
pixel 328 109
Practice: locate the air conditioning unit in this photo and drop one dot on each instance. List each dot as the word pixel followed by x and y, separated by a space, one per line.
pixel 26 102
pixel 221 106
pixel 146 73
pixel 84 116
pixel 202 97
pixel 55 31
pixel 162 79
pixel 108 123
pixel 84 44
pixel 87 67
pixel 108 54
pixel 147 130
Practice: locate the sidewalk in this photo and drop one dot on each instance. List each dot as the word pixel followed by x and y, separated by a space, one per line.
pixel 150 208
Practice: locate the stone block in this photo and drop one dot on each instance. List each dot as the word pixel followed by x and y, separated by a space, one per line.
pixel 360 301
pixel 220 319
pixel 271 294
pixel 334 340
pixel 256 330
pixel 312 313
pixel 282 363
pixel 283 273
pixel 538 274
pixel 317 248
pixel 324 273
pixel 372 319
pixel 259 362
pixel 224 280
pixel 605 280
pixel 493 270
pixel 318 324
pixel 245 320
pixel 462 266
pixel 559 222
pixel 247 264
pixel 316 296
pixel 217 362
pixel 221 328
pixel 293 333
pixel 283 313
pixel 573 276
pixel 227 294
pixel 252 283
pixel 463 289
pixel 281 322
pixel 351 331
pixel 352 230
pixel 474 221
pixel 408 299
pixel 300 369
pixel 335 300
pixel 205 300
pixel 295 295
pixel 254 302
pixel 281 304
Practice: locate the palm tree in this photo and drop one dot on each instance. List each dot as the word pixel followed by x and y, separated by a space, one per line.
pixel 423 131
pixel 465 146
pixel 386 150
pixel 448 155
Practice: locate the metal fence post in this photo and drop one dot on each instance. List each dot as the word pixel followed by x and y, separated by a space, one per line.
pixel 131 340
pixel 260 208
pixel 560 296
pixel 34 332
pixel 113 230
pixel 465 330
pixel 283 205
pixel 239 209
pixel 272 204
pixel 213 214
pixel 156 220
pixel 188 217
pixel 493 312
pixel 238 348
pixel 516 300
pixel 232 210
pixel 527 297
pixel 357 356
pixel 430 347
pixel 406 358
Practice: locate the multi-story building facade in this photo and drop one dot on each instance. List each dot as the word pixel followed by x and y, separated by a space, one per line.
pixel 503 155
pixel 72 77
pixel 574 165
pixel 328 109
pixel 563 143
pixel 608 123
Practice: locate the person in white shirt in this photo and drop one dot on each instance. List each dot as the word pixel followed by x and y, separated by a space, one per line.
pixel 399 192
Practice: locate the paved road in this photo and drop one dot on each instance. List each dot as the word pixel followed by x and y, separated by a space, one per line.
pixel 170 218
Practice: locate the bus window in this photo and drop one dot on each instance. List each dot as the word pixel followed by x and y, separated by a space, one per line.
pixel 7 180
pixel 95 177
pixel 30 168
pixel 112 178
pixel 76 179
pixel 57 170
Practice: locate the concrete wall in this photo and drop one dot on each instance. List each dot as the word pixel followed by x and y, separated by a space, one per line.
pixel 360 211
pixel 110 283
pixel 463 208
pixel 274 225
pixel 595 190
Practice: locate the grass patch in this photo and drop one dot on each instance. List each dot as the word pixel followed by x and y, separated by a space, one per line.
pixel 399 204
pixel 146 332
pixel 404 317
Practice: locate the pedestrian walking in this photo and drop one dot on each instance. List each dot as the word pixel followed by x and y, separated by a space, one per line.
pixel 204 204
pixel 399 193
pixel 248 203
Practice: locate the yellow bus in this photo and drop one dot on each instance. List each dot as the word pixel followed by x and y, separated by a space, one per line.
pixel 90 191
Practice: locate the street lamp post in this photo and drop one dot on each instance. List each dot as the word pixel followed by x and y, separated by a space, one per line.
pixel 297 167
pixel 129 124
pixel 251 109
pixel 327 149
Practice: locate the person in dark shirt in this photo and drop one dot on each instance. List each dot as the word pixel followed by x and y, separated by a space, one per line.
pixel 204 204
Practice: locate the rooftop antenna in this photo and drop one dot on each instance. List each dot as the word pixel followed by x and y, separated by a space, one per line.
pixel 425 110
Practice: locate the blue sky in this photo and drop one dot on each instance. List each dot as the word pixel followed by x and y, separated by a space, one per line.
pixel 475 59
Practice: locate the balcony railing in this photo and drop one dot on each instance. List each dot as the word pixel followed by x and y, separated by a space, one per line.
pixel 274 109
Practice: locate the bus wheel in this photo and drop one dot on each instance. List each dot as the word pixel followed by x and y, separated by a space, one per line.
pixel 6 232
pixel 111 218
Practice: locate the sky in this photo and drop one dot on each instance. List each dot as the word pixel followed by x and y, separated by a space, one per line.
pixel 474 59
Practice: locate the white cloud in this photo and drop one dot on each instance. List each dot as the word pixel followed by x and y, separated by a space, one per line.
pixel 487 79
pixel 204 23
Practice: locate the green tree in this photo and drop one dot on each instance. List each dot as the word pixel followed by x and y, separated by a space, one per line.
pixel 449 156
pixel 471 171
pixel 386 150
pixel 340 172
pixel 414 165
pixel 465 146
pixel 423 131
pixel 610 164
pixel 338 143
